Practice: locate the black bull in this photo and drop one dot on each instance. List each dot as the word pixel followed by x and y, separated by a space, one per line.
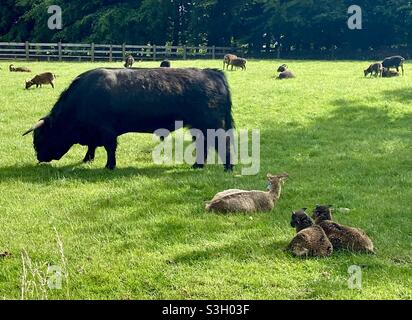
pixel 103 104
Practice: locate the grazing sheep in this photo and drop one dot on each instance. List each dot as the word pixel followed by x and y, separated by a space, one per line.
pixel 387 73
pixel 165 64
pixel 286 75
pixel 39 80
pixel 283 68
pixel 227 60
pixel 238 63
pixel 232 201
pixel 394 62
pixel 375 69
pixel 311 240
pixel 129 62
pixel 12 68
pixel 342 237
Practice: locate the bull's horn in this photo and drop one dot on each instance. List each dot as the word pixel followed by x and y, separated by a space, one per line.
pixel 36 126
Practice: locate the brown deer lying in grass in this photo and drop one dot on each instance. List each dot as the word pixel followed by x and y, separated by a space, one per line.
pixel 342 237
pixel 12 68
pixel 375 69
pixel 39 80
pixel 311 240
pixel 227 60
pixel 233 201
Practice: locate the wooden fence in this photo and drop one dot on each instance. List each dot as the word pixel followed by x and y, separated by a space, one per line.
pixel 105 52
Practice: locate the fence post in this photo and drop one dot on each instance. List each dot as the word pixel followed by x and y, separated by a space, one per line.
pixel 184 53
pixel 154 52
pixel 278 54
pixel 92 53
pixel 214 52
pixel 60 51
pixel 123 50
pixel 111 53
pixel 27 50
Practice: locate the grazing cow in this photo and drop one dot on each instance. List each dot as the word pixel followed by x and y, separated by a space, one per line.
pixel 239 63
pixel 165 64
pixel 375 69
pixel 227 61
pixel 103 104
pixel 12 68
pixel 394 62
pixel 39 80
pixel 129 62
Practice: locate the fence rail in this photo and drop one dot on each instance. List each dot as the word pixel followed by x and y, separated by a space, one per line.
pixel 106 52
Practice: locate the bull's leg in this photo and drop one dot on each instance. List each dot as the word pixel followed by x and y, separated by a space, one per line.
pixel 228 157
pixel 52 84
pixel 201 159
pixel 111 147
pixel 90 155
pixel 225 154
pixel 403 70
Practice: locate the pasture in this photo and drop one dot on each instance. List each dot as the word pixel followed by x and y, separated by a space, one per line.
pixel 141 232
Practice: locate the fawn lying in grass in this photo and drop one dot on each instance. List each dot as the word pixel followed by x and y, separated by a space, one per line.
pixel 234 200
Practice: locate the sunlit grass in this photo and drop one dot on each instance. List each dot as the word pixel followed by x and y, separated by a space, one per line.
pixel 141 232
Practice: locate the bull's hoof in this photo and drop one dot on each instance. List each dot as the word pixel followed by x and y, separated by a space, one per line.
pixel 110 167
pixel 197 166
pixel 229 168
pixel 88 160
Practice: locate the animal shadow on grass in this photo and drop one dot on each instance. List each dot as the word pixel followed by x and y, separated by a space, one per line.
pixel 401 95
pixel 241 251
pixel 43 173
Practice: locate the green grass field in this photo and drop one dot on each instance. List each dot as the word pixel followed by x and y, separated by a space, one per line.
pixel 141 232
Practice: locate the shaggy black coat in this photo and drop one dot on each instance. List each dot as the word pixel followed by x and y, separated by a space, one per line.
pixel 103 104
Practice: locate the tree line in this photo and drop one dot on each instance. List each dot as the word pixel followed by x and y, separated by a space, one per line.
pixel 258 26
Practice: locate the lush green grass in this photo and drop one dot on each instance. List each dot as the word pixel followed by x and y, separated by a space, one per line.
pixel 141 232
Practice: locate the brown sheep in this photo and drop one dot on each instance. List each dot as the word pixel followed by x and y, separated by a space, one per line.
pixel 375 69
pixel 227 60
pixel 12 68
pixel 342 237
pixel 234 201
pixel 39 80
pixel 311 240
pixel 239 63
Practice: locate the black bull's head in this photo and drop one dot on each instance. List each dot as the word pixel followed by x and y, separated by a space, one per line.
pixel 50 144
